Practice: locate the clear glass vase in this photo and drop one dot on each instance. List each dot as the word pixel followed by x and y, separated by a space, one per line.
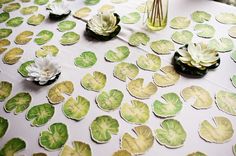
pixel 157 13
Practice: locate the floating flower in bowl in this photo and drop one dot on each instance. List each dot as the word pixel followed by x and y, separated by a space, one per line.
pixel 194 60
pixel 103 26
pixel 58 10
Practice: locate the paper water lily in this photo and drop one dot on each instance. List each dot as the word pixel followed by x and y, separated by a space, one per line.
pixel 58 10
pixel 43 70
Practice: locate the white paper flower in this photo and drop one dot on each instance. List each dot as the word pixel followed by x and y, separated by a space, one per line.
pixel 198 55
pixel 59 8
pixel 43 70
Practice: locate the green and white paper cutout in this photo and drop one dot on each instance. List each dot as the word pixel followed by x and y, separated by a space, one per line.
pixel 233 55
pixel 13 146
pixel 66 25
pixel 107 8
pixel 22 69
pixel 162 46
pixel 200 16
pixel 86 59
pixel 15 22
pixel 118 1
pixel 82 12
pixel 29 10
pixel 24 37
pixel 226 18
pixel 138 38
pixel 197 154
pixel 234 149
pixel 5 90
pixel 12 56
pixel 35 19
pixel 233 80
pixel 91 2
pixel 205 30
pixel 3 44
pixel 149 62
pixel 182 37
pixel 3 126
pixel 79 148
pixel 120 53
pixel 40 2
pixel 124 70
pixel 121 153
pixel 232 32
pixel 131 18
pixel 5 1
pixel 11 7
pixel 4 16
pixel 43 37
pixel 180 22
pixel 47 50
pixel 221 45
pixel 5 32
pixel 69 38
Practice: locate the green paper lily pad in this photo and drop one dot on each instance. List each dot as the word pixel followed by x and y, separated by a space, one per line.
pixel 226 18
pixel 3 126
pixel 226 101
pixel 121 153
pixel 4 32
pixel 200 16
pixel 170 108
pixel 76 109
pixel 14 22
pixel 233 80
pixel 91 2
pixel 232 32
pixel 149 62
pixel 162 46
pixel 3 43
pixel 107 8
pixel 202 97
pixel 22 69
pixel 5 1
pixel 82 12
pixel 11 7
pixel 69 38
pixel 180 22
pixel 55 137
pixel 139 144
pixel 40 114
pixel 131 18
pixel 12 147
pixel 66 25
pixel 121 53
pixel 5 90
pixel 29 10
pixel 36 19
pixel 169 78
pixel 205 30
pixel 86 59
pixel 24 37
pixel 137 89
pixel 234 149
pixel 13 55
pixel 197 154
pixel 182 37
pixel 138 38
pixel 221 45
pixel 111 100
pixel 41 2
pixel 219 133
pixel 25 1
pixel 124 70
pixel 102 128
pixel 118 1
pixel 172 134
pixel 55 93
pixel 95 82
pixel 137 112
pixel 19 103
pixel 233 56
pixel 79 149
pixel 47 50
pixel 4 16
pixel 43 37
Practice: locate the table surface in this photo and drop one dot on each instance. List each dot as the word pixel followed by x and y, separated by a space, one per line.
pixel 189 117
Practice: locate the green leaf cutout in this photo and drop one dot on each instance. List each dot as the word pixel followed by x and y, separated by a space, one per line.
pixel 22 69
pixel 180 22
pixel 3 44
pixel 221 45
pixel 66 25
pixel 91 2
pixel 121 153
pixel 205 30
pixel 69 38
pixel 15 22
pixel 82 12
pixel 4 32
pixel 29 10
pixel 24 37
pixel 226 18
pixel 43 37
pixel 41 2
pixel 162 46
pixel 234 149
pixel 11 7
pixel 86 59
pixel 4 16
pixel 121 53
pixel 36 19
pixel 107 8
pixel 200 16
pixel 5 90
pixel 47 50
pixel 13 146
pixel 3 126
pixel 197 154
pixel 232 32
pixel 124 70
pixel 233 80
pixel 79 148
pixel 13 55
pixel 118 1
pixel 149 62
pixel 182 37
pixel 131 18
pixel 138 38
pixel 5 1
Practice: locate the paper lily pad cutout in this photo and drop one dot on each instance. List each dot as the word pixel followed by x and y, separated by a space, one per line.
pixel 86 59
pixel 40 114
pixel 136 89
pixel 3 43
pixel 162 46
pixel 149 62
pixel 118 1
pixel 4 32
pixel 226 18
pixel 197 154
pixel 121 153
pixel 137 112
pixel 172 134
pixel 43 37
pixel 234 149
pixel 3 126
pixel 111 100
pixel 182 37
pixel 76 109
pixel 13 55
pixel 139 144
pixel 205 30
pixel 121 53
pixel 82 12
pixel 4 16
pixel 22 69
pixel 79 148
pixel 124 70
pixel 138 38
pixel 5 1
pixel 95 82
pixel 66 25
pixel 233 56
pixel 25 1
pixel 69 38
pixel 55 137
pixel 12 147
pixel 170 108
pixel 29 10
pixel 47 50
pixel 40 2
pixel 14 22
pixel 200 16
pixel 55 93
pixel 11 7
pixel 232 32
pixel 24 37
pixel 233 80
pixel 36 19
pixel 180 22
pixel 221 45
pixel 131 18
pixel 91 2
pixel 202 97
pixel 5 90
pixel 19 103
pixel 226 101
pixel 39 154
pixel 169 78
pixel 219 133
pixel 107 7
pixel 103 127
